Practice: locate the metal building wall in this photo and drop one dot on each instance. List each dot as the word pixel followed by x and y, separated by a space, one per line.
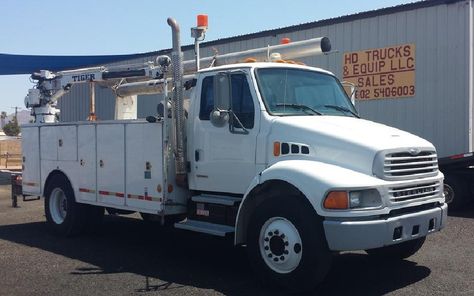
pixel 438 112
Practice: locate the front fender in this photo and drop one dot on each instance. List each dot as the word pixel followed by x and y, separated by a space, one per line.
pixel 312 178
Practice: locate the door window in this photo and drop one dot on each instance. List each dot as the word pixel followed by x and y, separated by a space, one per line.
pixel 242 101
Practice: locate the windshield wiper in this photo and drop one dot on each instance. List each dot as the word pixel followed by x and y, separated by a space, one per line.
pixel 341 108
pixel 299 106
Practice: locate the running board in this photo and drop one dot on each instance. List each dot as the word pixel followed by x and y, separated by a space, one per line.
pixel 204 227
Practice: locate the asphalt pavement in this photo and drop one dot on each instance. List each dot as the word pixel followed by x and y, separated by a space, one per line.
pixel 129 257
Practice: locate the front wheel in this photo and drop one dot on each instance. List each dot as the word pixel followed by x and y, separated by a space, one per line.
pixel 286 244
pixel 399 251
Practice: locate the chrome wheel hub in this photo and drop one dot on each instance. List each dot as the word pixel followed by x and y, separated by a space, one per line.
pixel 448 193
pixel 58 205
pixel 280 245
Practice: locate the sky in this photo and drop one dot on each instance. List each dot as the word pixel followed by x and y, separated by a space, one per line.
pixel 103 27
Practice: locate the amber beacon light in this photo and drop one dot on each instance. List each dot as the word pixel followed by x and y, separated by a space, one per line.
pixel 202 21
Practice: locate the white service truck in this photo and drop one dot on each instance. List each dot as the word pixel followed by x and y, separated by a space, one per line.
pixel 267 150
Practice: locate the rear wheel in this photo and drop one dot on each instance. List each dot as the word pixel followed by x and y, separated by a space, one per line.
pixel 286 244
pixel 63 214
pixel 398 251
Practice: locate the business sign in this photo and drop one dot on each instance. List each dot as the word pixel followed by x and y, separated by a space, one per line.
pixel 379 73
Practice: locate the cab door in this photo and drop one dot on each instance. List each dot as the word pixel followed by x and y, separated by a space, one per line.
pixel 223 158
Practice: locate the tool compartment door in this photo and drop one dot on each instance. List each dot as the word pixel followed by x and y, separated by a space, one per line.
pixel 31 182
pixel 67 142
pixel 86 179
pixel 144 166
pixel 111 164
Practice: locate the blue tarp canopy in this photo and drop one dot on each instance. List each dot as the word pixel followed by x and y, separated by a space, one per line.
pixel 12 64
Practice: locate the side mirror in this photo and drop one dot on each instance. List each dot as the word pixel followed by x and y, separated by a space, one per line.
pixel 350 89
pixel 222 96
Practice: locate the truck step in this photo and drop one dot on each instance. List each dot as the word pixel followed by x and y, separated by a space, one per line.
pixel 216 199
pixel 204 227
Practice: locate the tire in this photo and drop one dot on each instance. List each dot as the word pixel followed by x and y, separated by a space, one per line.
pixel 286 244
pixel 64 215
pixel 398 251
pixel 456 192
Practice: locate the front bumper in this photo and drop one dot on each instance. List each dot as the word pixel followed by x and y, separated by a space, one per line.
pixel 369 234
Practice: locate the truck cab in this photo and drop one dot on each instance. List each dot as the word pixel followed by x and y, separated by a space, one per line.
pixel 287 136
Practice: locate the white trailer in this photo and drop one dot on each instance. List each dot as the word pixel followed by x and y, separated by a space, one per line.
pixel 269 151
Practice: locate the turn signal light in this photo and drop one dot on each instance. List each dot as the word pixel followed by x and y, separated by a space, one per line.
pixel 337 200
pixel 276 148
pixel 285 40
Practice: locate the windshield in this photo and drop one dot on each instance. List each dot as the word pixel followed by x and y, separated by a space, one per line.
pixel 302 92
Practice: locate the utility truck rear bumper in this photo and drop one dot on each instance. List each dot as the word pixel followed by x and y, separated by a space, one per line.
pixel 369 234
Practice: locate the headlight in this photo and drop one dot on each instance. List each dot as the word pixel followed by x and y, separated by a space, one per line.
pixel 360 199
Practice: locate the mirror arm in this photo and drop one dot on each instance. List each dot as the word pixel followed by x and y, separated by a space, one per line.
pixel 232 127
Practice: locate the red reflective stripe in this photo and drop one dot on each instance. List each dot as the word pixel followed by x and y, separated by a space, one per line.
pixel 141 197
pixel 117 194
pixel 86 190
pixel 458 156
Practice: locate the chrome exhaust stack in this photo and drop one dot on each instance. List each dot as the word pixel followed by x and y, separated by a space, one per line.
pixel 178 110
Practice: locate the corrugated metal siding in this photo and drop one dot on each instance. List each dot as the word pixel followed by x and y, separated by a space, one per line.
pixel 439 111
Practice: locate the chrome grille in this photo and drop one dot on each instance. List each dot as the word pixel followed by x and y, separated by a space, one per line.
pixel 429 190
pixel 400 165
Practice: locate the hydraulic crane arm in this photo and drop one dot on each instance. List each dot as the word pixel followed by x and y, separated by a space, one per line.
pixel 51 86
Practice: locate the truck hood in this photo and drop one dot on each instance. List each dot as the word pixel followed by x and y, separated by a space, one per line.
pixel 344 141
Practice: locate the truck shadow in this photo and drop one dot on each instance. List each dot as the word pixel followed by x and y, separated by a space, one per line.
pixel 466 212
pixel 170 259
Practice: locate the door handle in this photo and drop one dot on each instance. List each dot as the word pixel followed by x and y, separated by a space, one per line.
pixel 196 155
